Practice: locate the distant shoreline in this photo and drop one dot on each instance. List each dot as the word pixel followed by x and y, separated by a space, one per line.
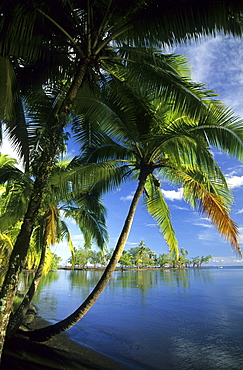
pixel 131 268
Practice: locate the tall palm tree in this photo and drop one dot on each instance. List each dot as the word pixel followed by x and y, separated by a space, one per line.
pixel 150 141
pixel 84 208
pixel 78 40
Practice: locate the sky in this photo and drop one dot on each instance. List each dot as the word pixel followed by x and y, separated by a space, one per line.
pixel 218 63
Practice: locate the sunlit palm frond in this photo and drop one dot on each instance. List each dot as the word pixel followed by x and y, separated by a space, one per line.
pixel 105 176
pixel 63 232
pixel 92 227
pixel 6 245
pixel 222 129
pixel 14 202
pixel 214 207
pixel 89 213
pixel 216 204
pixel 161 77
pixel 158 209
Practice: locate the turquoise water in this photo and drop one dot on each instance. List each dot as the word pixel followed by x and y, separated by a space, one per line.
pixel 158 319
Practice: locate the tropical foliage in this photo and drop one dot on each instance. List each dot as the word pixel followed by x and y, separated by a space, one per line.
pixel 152 140
pixel 134 135
pixel 53 52
pixel 137 257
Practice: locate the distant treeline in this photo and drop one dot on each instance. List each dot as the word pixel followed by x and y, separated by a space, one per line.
pixel 139 257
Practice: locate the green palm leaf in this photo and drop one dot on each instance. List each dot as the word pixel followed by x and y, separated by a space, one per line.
pixel 158 209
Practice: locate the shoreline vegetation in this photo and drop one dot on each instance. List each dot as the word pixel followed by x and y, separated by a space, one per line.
pixel 139 257
pixel 128 268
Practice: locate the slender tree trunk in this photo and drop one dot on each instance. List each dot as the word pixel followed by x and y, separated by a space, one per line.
pixel 18 256
pixel 21 246
pixel 16 319
pixel 41 335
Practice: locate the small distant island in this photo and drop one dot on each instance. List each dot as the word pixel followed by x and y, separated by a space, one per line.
pixel 140 257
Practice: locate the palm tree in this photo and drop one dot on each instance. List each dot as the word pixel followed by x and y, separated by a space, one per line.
pixel 141 255
pixel 125 259
pixel 196 261
pixel 205 259
pixel 182 260
pixel 163 259
pixel 85 208
pixel 150 141
pixel 76 40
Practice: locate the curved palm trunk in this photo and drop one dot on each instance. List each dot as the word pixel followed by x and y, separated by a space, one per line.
pixel 16 319
pixel 18 256
pixel 21 246
pixel 41 335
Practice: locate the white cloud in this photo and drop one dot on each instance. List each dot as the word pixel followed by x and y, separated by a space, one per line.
pixel 78 237
pixel 128 197
pixel 150 225
pixel 203 58
pixel 236 170
pixel 217 62
pixel 203 225
pixel 240 211
pixel 180 208
pixel 231 261
pixel 7 148
pixel 130 243
pixel 206 236
pixel 240 234
pixel 235 181
pixel 173 194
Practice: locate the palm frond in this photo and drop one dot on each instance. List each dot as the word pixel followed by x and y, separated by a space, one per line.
pixel 8 92
pixel 169 22
pixel 222 129
pixel 159 210
pixel 215 204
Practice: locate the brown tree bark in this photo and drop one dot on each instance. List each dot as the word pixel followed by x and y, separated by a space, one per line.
pixel 17 317
pixel 44 168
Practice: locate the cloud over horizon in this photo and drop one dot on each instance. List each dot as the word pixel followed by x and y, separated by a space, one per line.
pixel 235 181
pixel 173 194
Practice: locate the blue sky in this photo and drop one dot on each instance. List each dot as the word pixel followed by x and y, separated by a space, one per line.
pixel 218 63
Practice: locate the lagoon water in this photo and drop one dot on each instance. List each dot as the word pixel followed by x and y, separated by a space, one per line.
pixel 155 319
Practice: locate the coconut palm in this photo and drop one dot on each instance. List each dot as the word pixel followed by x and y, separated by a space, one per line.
pixel 85 208
pixel 141 255
pixel 149 141
pixel 75 40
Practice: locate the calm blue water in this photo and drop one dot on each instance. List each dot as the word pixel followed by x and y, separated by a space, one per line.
pixel 158 319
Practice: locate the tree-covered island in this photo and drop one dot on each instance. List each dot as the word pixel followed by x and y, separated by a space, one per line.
pixel 139 257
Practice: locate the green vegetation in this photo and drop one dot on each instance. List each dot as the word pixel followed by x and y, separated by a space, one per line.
pixel 137 257
pixel 97 69
pixel 55 262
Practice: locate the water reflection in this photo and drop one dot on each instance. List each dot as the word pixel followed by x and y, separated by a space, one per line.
pixel 140 279
pixel 25 280
pixel 156 319
pixel 85 279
